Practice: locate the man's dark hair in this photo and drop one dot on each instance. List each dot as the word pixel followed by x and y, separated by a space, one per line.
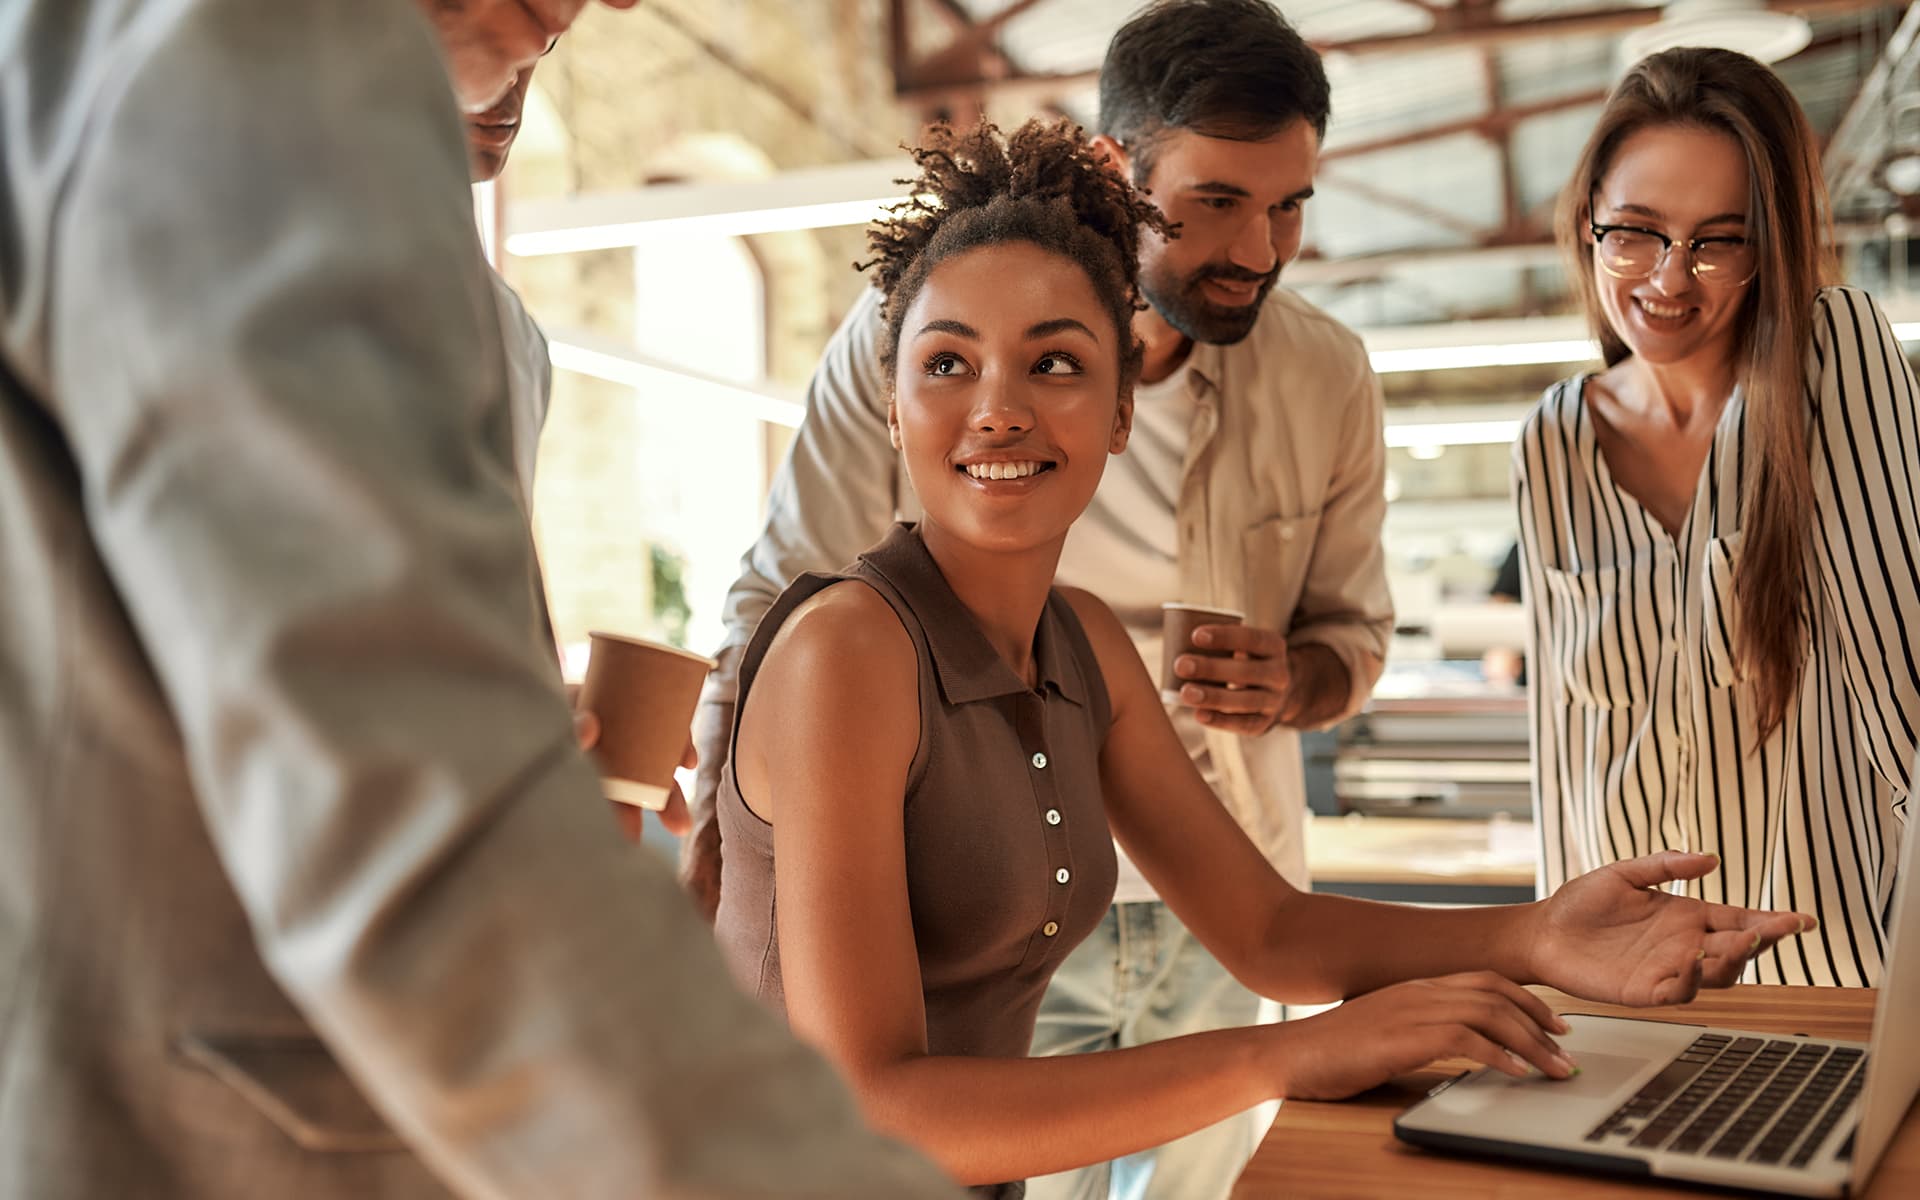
pixel 1224 68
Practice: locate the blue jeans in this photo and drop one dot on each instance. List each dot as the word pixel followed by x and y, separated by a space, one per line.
pixel 1138 978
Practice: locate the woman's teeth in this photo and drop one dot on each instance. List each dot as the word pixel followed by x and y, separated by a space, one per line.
pixel 1003 470
pixel 1662 312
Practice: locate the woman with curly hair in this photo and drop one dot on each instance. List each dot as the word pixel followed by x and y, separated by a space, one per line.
pixel 935 748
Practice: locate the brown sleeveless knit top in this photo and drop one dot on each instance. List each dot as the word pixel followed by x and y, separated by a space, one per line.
pixel 1009 860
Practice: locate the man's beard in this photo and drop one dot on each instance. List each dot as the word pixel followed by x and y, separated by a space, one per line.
pixel 1183 306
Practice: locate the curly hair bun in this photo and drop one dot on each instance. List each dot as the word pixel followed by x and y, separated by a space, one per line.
pixel 1044 184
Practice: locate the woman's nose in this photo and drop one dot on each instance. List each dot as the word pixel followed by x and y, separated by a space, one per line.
pixel 1003 408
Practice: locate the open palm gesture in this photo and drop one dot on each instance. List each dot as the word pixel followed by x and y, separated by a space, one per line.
pixel 1610 936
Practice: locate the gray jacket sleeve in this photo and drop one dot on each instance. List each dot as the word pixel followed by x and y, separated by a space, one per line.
pixel 274 352
pixel 840 488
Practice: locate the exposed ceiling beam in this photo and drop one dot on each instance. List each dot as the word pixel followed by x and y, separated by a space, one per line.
pixel 1379 266
pixel 1475 25
pixel 1502 139
pixel 1854 150
pixel 1487 125
pixel 1033 90
pixel 981 33
pixel 971 58
pixel 856 138
pixel 1416 208
pixel 1468 24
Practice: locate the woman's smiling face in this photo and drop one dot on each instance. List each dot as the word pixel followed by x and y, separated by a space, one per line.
pixel 1006 395
pixel 1684 182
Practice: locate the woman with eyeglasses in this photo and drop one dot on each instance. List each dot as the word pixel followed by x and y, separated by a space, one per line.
pixel 1720 529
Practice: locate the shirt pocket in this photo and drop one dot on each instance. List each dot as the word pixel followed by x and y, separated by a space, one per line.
pixel 294 1082
pixel 1592 635
pixel 1720 614
pixel 1277 552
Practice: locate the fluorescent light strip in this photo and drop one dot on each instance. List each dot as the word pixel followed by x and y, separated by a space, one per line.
pixel 630 370
pixel 1511 354
pixel 617 365
pixel 719 224
pixel 1452 433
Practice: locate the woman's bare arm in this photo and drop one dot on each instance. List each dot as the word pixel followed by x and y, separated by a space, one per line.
pixel 1605 936
pixel 826 743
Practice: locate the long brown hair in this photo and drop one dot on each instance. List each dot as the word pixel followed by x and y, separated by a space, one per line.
pixel 1789 222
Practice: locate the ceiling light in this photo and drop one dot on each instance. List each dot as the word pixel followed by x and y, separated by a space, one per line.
pixel 1509 354
pixel 815 198
pixel 1744 25
pixel 1425 439
pixel 1901 174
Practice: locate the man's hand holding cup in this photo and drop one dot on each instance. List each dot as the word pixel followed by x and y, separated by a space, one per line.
pixel 1234 675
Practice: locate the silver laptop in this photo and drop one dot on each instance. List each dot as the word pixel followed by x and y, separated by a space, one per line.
pixel 1795 1115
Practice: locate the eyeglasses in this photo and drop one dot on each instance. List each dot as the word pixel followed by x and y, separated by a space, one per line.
pixel 1633 252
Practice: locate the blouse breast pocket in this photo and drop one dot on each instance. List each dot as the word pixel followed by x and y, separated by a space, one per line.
pixel 1720 613
pixel 1277 552
pixel 1592 624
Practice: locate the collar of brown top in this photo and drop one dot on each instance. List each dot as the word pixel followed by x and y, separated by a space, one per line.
pixel 968 666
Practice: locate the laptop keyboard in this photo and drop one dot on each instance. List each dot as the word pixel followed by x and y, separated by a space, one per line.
pixel 1744 1099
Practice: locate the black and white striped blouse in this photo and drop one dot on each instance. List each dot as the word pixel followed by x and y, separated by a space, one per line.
pixel 1643 734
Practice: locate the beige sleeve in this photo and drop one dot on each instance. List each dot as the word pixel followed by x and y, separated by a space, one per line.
pixel 274 351
pixel 1345 605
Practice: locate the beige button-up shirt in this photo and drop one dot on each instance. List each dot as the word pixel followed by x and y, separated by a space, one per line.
pixel 305 890
pixel 1281 502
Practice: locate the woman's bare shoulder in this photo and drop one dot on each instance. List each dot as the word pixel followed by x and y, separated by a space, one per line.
pixel 842 642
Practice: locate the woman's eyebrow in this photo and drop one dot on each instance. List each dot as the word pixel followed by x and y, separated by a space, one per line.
pixel 949 325
pixel 1059 325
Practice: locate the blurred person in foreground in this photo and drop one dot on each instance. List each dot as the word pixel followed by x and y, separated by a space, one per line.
pixel 305 889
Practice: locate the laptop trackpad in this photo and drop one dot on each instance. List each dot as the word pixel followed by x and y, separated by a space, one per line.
pixel 1601 1076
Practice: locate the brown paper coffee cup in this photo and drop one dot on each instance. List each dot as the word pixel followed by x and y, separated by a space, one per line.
pixel 644 695
pixel 1178 621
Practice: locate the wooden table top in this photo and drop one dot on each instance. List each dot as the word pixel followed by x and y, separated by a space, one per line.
pixel 1347 1151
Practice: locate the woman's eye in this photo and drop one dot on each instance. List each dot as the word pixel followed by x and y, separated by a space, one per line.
pixel 946 364
pixel 1057 364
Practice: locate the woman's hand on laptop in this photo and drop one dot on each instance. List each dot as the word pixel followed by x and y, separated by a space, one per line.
pixel 1611 935
pixel 1371 1038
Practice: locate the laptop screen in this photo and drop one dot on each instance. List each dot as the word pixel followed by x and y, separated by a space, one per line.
pixel 1893 1071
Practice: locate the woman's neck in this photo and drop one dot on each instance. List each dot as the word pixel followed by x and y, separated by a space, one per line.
pixel 1005 592
pixel 1687 393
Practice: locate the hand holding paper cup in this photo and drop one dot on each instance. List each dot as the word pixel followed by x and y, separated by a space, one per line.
pixel 643 694
pixel 1178 621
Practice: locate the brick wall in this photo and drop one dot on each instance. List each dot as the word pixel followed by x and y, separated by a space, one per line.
pixel 683 89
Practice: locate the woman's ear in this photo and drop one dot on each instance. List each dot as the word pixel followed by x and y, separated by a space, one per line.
pixel 893 423
pixel 1122 423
